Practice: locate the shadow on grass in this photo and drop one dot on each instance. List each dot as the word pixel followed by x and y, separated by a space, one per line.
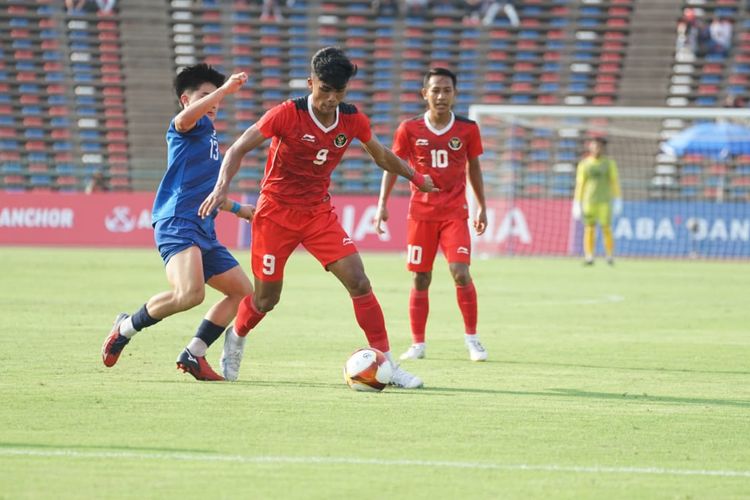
pixel 104 447
pixel 447 391
pixel 613 396
pixel 609 367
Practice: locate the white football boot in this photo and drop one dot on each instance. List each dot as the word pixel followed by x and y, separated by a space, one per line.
pixel 477 352
pixel 416 351
pixel 231 357
pixel 405 380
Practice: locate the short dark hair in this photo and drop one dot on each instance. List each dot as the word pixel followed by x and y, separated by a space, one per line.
pixel 439 72
pixel 192 77
pixel 601 140
pixel 332 67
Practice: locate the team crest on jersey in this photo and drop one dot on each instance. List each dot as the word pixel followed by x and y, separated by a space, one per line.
pixel 340 141
pixel 455 143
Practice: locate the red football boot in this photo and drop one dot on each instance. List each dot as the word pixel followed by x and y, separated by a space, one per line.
pixel 114 343
pixel 197 366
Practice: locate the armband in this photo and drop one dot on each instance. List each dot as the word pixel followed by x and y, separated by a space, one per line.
pixel 235 207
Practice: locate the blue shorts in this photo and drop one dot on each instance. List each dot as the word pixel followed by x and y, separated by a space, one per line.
pixel 174 235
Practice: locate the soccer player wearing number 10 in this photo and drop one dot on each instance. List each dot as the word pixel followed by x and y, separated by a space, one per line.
pixel 309 137
pixel 440 144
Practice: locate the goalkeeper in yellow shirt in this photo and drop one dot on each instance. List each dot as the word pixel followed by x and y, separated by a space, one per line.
pixel 597 198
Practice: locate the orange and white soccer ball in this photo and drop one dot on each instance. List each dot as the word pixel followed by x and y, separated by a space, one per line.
pixel 367 370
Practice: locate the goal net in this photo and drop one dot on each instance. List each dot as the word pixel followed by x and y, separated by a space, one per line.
pixel 685 178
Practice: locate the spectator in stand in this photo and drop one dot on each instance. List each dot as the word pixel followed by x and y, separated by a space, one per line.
pixel 472 11
pixel 271 10
pixel 687 36
pixel 721 36
pixel 492 7
pixel 75 6
pixel 106 7
pixel 387 8
pixel 734 101
pixel 97 183
pixel 417 8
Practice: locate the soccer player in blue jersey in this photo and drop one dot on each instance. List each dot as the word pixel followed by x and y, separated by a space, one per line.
pixel 187 243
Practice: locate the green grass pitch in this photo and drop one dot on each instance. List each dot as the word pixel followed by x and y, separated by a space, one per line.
pixel 624 382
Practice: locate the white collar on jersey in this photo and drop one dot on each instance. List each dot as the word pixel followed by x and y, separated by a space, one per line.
pixel 315 118
pixel 433 129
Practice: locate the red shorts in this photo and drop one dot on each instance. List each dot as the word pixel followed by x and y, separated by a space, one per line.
pixel 424 237
pixel 277 230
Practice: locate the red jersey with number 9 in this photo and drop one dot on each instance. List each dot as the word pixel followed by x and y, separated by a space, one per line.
pixel 303 152
pixel 443 154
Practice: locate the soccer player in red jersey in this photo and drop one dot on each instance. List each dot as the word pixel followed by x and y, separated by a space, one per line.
pixel 309 137
pixel 441 145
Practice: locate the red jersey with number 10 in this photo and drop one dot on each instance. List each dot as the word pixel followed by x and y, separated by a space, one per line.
pixel 443 154
pixel 303 152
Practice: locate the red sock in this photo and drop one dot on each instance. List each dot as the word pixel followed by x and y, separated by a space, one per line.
pixel 247 316
pixel 467 302
pixel 370 318
pixel 419 308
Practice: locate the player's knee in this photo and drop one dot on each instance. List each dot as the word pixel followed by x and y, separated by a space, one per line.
pixel 266 303
pixel 422 280
pixel 461 275
pixel 359 285
pixel 189 298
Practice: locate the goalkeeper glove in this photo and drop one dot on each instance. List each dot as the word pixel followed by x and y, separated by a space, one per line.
pixel 617 206
pixel 576 210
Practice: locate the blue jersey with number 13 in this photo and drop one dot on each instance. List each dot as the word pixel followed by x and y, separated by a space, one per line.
pixel 193 163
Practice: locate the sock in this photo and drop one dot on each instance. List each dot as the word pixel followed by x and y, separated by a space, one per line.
pixel 142 319
pixel 247 316
pixel 370 318
pixel 589 233
pixel 471 338
pixel 208 332
pixel 609 242
pixel 197 347
pixel 126 328
pixel 467 302
pixel 419 308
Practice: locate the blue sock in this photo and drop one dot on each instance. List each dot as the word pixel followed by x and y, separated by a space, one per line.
pixel 208 332
pixel 142 319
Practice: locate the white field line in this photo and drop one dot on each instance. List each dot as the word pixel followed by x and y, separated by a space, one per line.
pixel 249 459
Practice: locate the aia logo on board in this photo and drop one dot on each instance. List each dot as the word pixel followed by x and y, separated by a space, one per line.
pixel 455 143
pixel 340 141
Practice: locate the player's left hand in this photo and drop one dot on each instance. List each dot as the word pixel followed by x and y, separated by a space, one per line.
pixel 480 222
pixel 617 206
pixel 211 203
pixel 246 212
pixel 380 216
pixel 428 186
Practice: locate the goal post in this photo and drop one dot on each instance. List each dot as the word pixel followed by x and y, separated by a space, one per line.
pixel 685 177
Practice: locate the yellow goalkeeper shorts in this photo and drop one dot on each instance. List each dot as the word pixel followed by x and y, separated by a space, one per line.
pixel 600 213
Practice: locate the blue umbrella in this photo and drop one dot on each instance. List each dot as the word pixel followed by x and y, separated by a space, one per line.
pixel 716 140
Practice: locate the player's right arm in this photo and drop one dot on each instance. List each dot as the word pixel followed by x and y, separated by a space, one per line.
pixel 386 186
pixel 249 140
pixel 188 117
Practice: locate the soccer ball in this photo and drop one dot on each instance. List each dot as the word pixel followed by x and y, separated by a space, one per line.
pixel 367 370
